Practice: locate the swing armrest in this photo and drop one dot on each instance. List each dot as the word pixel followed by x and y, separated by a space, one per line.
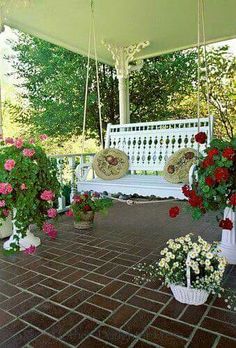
pixel 82 171
pixel 193 174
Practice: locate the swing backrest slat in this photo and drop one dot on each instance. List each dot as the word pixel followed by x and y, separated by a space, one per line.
pixel 149 144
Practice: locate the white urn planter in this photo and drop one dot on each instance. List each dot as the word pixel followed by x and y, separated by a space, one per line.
pixel 27 241
pixel 228 240
pixel 6 228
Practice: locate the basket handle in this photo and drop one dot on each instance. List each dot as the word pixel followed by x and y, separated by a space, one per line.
pixel 188 272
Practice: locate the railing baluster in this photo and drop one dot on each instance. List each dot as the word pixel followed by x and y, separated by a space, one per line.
pixel 66 165
pixel 72 178
pixel 61 199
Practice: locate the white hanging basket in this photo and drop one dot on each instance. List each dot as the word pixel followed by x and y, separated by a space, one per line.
pixel 190 296
pixel 186 294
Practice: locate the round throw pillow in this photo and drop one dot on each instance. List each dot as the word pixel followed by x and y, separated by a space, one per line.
pixel 177 166
pixel 110 164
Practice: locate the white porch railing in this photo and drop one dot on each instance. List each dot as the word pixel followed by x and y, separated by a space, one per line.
pixel 66 165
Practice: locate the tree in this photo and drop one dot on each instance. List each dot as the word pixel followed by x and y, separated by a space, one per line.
pixel 52 80
pixel 222 90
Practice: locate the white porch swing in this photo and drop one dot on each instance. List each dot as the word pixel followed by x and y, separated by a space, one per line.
pixel 147 145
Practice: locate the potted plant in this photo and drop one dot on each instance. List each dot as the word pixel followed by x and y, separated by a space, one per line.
pixel 213 188
pixel 28 189
pixel 193 269
pixel 85 205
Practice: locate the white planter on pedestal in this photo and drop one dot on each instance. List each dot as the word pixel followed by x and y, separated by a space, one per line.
pixel 6 228
pixel 24 242
pixel 228 240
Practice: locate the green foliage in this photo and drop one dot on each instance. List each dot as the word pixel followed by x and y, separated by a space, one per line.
pixel 53 83
pixel 52 86
pixel 28 177
pixel 213 190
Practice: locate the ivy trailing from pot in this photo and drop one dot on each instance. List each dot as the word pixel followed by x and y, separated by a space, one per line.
pixel 28 190
pixel 192 268
pixel 84 207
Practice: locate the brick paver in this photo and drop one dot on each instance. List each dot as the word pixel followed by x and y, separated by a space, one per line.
pixel 79 290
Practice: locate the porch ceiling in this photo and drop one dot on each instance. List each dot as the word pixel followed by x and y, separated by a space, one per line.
pixel 169 25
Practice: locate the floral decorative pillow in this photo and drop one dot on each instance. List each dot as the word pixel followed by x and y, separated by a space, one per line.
pixel 178 165
pixel 110 164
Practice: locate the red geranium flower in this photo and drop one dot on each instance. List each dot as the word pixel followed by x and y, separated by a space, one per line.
pixel 174 211
pixel 69 213
pixel 87 208
pixel 194 199
pixel 226 224
pixel 77 199
pixel 209 181
pixel 229 153
pixel 186 190
pixel 212 152
pixel 201 137
pixel 232 199
pixel 208 161
pixel 221 174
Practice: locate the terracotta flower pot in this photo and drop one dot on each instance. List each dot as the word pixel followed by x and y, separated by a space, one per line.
pixel 86 221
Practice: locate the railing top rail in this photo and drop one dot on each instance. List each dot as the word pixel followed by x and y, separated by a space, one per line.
pixel 163 122
pixel 73 155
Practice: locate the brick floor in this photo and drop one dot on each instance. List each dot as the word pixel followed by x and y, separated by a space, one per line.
pixel 79 291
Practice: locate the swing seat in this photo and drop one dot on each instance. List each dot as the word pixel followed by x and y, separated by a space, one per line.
pixel 148 145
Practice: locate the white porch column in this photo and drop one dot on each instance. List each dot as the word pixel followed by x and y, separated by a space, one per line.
pixel 123 56
pixel 124 100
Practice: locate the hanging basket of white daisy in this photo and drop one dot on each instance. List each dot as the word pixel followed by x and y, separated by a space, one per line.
pixel 192 268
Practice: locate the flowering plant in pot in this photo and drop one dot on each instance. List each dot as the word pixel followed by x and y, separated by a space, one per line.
pixel 193 269
pixel 85 205
pixel 214 189
pixel 28 189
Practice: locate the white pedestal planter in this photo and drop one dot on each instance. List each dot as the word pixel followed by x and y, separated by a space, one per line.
pixel 6 228
pixel 228 240
pixel 25 242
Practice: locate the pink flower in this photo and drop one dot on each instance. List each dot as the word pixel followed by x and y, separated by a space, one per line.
pixel 52 213
pixel 5 188
pixel 2 203
pixel 47 195
pixel 31 250
pixel 19 143
pixel 6 212
pixel 31 141
pixel 9 141
pixel 43 137
pixel 23 187
pixel 9 164
pixel 69 213
pixel 50 230
pixel 28 152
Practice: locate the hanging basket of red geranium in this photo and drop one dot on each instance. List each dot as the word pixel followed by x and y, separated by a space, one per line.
pixel 214 189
